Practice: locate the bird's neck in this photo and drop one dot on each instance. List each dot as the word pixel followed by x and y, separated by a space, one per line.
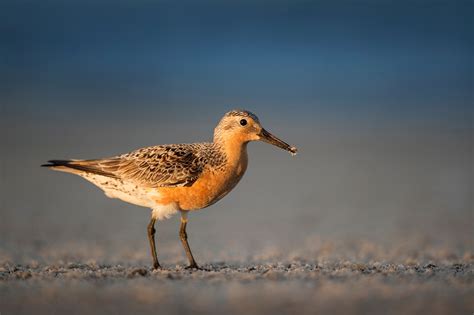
pixel 234 150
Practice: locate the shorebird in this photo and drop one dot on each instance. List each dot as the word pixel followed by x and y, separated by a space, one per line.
pixel 177 177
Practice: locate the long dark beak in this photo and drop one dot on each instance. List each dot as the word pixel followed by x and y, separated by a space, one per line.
pixel 269 138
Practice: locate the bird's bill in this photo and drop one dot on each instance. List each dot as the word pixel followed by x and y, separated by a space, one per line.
pixel 269 138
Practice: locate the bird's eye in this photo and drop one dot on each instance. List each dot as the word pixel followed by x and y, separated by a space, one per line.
pixel 243 122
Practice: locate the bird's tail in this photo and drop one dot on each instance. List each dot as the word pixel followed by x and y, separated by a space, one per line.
pixel 77 167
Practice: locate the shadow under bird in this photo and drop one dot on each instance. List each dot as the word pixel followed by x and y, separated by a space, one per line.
pixel 177 177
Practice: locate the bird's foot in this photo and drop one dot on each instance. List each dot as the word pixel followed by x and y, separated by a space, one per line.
pixel 156 266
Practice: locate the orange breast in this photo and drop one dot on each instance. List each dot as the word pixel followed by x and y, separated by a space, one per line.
pixel 211 186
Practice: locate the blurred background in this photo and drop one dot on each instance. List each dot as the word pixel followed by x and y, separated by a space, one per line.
pixel 377 96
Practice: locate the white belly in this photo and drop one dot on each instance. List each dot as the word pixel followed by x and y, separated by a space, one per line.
pixel 132 193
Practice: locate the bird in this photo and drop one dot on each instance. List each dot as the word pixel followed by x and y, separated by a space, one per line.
pixel 176 178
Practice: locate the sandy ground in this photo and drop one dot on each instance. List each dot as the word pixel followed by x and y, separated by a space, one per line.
pixel 434 282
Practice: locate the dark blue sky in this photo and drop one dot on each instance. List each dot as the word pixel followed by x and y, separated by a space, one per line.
pixel 340 59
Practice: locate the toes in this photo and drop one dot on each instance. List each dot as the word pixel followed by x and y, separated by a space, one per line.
pixel 196 267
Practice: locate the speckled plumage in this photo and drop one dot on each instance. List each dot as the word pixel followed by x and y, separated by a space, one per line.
pixel 172 165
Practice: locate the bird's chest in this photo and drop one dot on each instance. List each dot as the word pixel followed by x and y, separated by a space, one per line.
pixel 214 185
pixel 225 181
pixel 211 186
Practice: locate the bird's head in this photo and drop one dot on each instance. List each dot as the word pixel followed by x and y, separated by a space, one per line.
pixel 241 126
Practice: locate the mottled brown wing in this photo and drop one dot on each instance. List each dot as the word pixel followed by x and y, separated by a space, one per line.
pixel 160 166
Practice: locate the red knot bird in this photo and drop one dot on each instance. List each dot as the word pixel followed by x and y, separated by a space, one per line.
pixel 177 177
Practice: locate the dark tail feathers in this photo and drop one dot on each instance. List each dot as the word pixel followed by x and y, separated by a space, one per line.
pixel 56 163
pixel 88 166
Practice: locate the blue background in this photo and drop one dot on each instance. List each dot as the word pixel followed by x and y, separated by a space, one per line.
pixel 377 95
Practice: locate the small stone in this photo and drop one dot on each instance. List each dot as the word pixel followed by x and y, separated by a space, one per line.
pixel 274 275
pixel 138 272
pixel 23 275
pixel 33 264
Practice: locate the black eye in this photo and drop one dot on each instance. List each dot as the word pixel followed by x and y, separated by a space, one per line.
pixel 243 122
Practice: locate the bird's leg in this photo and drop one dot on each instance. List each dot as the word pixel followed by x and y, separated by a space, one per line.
pixel 184 239
pixel 151 238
